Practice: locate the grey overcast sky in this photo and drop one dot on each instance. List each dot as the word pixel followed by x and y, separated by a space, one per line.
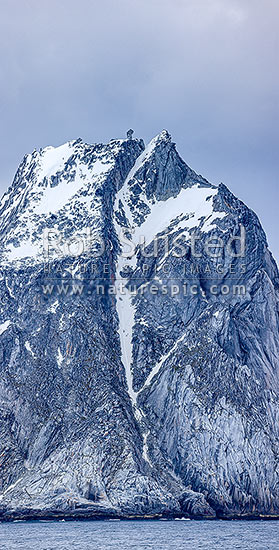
pixel 207 70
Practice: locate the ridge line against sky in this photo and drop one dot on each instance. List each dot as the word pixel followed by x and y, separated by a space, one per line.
pixel 203 69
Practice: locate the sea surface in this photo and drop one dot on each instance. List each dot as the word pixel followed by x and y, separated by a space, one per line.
pixel 140 535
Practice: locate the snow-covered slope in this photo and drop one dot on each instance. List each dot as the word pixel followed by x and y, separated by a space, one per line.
pixel 134 380
pixel 56 190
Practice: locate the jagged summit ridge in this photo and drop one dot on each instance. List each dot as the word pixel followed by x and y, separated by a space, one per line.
pixel 56 188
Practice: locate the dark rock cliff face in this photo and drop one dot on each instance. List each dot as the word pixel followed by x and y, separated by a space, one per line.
pixel 138 340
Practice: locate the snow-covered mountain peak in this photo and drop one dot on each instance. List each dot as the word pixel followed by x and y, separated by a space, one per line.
pixel 59 188
pixel 158 176
pixel 144 384
pixel 71 189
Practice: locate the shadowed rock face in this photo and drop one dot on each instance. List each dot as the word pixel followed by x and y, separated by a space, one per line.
pixel 117 399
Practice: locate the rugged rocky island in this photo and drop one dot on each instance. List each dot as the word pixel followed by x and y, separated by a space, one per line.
pixel 138 340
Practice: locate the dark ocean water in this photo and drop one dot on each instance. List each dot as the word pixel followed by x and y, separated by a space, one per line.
pixel 140 535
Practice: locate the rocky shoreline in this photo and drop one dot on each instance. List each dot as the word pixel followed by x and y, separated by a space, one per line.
pixel 82 515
